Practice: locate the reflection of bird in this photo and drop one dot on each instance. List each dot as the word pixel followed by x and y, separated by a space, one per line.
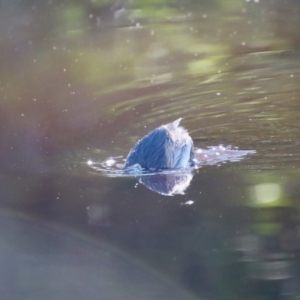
pixel 168 184
pixel 166 147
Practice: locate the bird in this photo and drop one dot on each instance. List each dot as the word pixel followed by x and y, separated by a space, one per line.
pixel 165 148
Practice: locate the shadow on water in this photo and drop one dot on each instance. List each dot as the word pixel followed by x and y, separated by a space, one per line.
pixel 83 81
pixel 42 260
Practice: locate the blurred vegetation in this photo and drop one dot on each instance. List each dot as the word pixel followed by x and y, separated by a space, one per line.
pixel 116 38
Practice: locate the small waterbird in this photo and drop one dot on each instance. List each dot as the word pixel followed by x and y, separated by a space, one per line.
pixel 166 147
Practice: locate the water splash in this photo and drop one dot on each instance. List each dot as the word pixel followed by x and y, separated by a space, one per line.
pixel 213 155
pixel 170 182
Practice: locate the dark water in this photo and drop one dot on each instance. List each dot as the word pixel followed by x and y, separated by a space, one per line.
pixel 81 82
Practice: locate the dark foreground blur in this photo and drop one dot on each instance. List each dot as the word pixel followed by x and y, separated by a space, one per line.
pixel 84 80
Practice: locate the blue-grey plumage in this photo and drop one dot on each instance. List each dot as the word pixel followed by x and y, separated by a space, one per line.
pixel 166 147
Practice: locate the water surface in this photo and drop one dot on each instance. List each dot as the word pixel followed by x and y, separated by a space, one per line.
pixel 83 82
